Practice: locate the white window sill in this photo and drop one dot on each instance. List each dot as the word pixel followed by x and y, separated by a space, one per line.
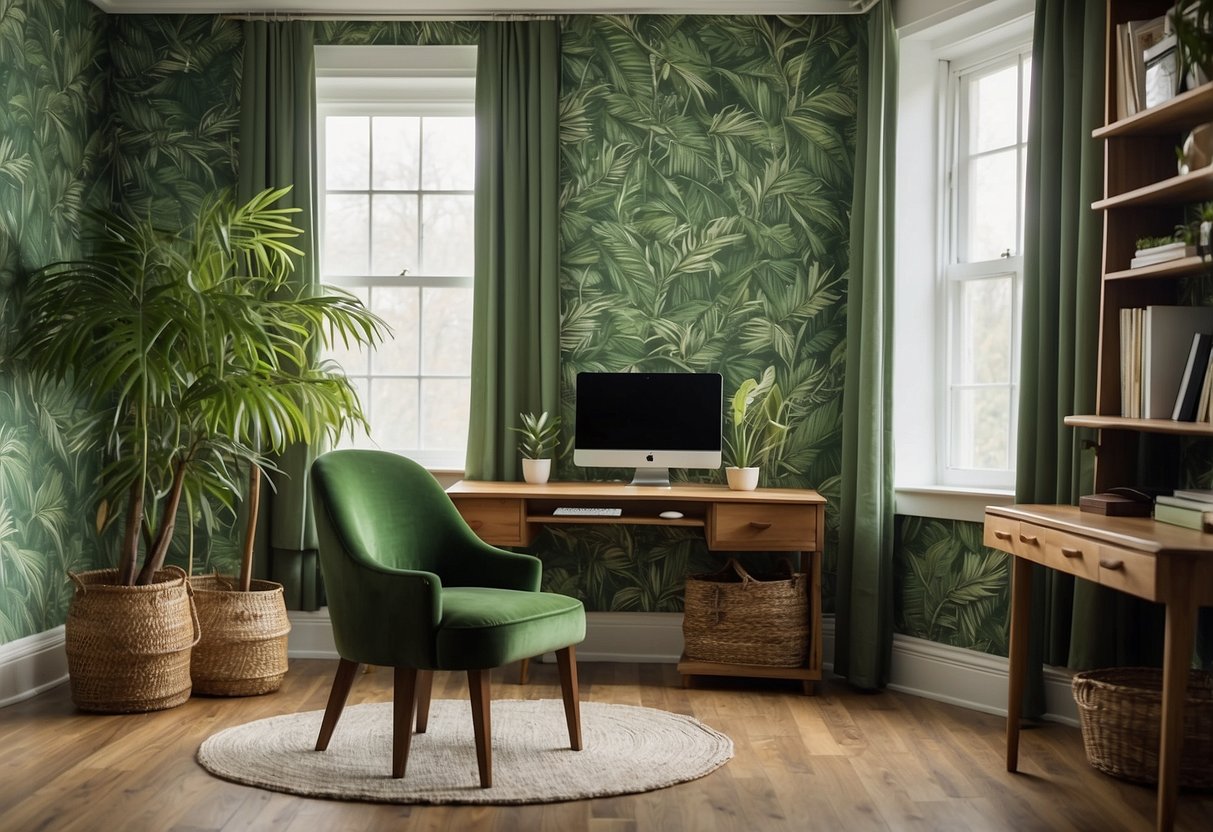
pixel 949 502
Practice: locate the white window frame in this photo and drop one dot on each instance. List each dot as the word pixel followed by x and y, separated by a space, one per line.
pixel 394 81
pixel 956 33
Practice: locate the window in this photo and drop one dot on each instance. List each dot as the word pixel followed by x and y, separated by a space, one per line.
pixel 963 85
pixel 396 164
pixel 983 265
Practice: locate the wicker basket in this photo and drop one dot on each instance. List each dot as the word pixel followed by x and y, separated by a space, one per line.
pixel 732 617
pixel 242 651
pixel 1119 710
pixel 128 647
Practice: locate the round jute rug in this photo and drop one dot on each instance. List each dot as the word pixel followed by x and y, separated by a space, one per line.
pixel 626 749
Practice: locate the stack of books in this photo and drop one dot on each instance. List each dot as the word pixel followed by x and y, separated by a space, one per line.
pixel 1161 254
pixel 1191 508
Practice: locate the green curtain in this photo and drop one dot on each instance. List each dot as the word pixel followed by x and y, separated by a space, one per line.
pixel 864 599
pixel 515 315
pixel 277 148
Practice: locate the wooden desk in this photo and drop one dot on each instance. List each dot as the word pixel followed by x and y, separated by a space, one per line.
pixel 766 520
pixel 1155 561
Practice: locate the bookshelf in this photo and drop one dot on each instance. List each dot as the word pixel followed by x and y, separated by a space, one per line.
pixel 1142 195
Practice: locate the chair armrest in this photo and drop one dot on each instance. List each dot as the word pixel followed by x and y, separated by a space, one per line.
pixel 382 615
pixel 469 561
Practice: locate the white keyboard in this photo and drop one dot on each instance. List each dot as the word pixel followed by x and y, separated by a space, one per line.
pixel 581 511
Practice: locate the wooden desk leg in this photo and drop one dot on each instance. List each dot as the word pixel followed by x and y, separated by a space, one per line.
pixel 1177 660
pixel 1021 609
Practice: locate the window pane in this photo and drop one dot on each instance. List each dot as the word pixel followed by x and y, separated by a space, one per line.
pixel 445 404
pixel 446 330
pixel 979 428
pixel 397 153
pixel 983 341
pixel 394 412
pixel 991 218
pixel 353 359
pixel 447 224
pixel 449 153
pixel 346 221
pixel 394 234
pixel 398 306
pixel 347 152
pixel 993 116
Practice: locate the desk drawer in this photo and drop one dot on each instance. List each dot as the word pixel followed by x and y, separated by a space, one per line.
pixel 1001 533
pixel 497 521
pixel 1072 553
pixel 762 527
pixel 1133 572
pixel 1030 543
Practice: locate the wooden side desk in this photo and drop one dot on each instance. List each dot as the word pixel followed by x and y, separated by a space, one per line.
pixel 765 520
pixel 1137 555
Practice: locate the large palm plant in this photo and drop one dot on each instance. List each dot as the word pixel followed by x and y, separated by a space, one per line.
pixel 195 349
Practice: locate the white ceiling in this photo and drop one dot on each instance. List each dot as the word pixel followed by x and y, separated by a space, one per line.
pixel 406 8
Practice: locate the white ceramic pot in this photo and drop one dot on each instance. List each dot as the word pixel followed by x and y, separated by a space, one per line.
pixel 536 471
pixel 742 479
pixel 1197 151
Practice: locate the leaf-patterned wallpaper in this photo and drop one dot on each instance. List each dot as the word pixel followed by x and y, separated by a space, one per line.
pixel 706 179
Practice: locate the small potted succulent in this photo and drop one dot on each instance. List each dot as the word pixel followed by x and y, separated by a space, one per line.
pixel 539 435
pixel 756 429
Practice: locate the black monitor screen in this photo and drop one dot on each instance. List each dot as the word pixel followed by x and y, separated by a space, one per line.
pixel 649 411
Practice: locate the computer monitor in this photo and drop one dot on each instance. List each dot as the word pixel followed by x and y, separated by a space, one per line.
pixel 650 421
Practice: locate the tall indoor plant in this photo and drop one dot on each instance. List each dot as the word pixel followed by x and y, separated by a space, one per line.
pixel 194 349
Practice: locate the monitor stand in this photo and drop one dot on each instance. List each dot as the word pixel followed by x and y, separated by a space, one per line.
pixel 653 477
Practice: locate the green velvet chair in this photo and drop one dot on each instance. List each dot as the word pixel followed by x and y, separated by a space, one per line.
pixel 410 586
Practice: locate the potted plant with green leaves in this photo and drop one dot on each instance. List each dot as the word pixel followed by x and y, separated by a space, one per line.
pixel 539 436
pixel 194 349
pixel 1192 23
pixel 756 429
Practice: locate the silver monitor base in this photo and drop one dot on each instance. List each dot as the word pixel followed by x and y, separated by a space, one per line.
pixel 657 477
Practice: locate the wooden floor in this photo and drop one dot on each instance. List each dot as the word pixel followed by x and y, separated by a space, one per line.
pixel 841 760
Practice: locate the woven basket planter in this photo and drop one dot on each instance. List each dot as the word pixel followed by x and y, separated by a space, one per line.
pixel 128 647
pixel 1120 713
pixel 242 651
pixel 732 617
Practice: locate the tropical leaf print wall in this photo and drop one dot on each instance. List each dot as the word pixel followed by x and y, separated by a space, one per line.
pixel 705 190
pixel 52 101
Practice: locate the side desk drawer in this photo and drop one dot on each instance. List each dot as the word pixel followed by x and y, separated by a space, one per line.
pixel 1072 553
pixel 496 521
pixel 762 527
pixel 1000 533
pixel 1030 543
pixel 1133 572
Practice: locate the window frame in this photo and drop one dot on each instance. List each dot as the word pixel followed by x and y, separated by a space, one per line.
pixel 371 81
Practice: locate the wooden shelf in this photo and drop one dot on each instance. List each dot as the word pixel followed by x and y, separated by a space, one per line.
pixel 1179 113
pixel 1183 267
pixel 1141 425
pixel 1191 187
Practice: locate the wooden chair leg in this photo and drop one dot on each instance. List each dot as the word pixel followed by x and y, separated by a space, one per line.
pixel 566 659
pixel 342 682
pixel 404 701
pixel 478 684
pixel 425 686
pixel 524 670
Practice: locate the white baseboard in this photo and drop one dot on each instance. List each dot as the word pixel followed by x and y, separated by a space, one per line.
pixel 920 667
pixel 31 665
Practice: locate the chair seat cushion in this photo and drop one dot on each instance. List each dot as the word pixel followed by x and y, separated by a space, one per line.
pixel 483 627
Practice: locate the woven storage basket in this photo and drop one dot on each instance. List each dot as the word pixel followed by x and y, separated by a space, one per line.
pixel 732 617
pixel 128 647
pixel 1119 710
pixel 242 651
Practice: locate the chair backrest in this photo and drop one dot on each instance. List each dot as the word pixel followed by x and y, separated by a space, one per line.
pixel 385 508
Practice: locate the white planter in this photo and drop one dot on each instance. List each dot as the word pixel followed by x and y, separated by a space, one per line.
pixel 742 479
pixel 536 471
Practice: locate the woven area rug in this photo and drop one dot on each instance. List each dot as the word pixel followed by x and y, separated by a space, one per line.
pixel 626 749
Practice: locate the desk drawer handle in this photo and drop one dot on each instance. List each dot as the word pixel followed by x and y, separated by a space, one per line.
pixel 1113 564
pixel 476 525
pixel 762 527
pixel 1002 535
pixel 1029 538
pixel 1071 553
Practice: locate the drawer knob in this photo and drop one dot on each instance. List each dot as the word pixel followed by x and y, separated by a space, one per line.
pixel 1114 564
pixel 476 525
pixel 1002 535
pixel 1071 553
pixel 754 524
pixel 1028 538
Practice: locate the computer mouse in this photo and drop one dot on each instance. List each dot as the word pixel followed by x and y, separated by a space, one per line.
pixel 670 515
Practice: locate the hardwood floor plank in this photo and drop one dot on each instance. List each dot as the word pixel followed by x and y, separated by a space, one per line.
pixel 841 760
